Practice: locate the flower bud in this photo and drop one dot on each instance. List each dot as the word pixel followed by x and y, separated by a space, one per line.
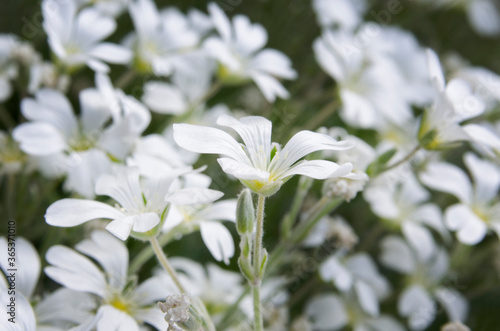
pixel 245 212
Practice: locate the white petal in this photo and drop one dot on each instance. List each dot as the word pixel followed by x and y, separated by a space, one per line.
pixel 116 320
pixel 454 303
pixel 39 139
pixel 484 17
pixel 328 59
pixel 123 187
pixel 358 111
pixel 470 228
pixel 164 98
pixel 448 178
pixel 242 170
pixel 256 134
pixel 331 269
pixel 91 26
pixel 482 135
pixel 421 239
pixel 218 240
pixel 273 62
pixel 150 291
pixel 318 169
pixel 111 254
pixel 74 271
pixel 111 53
pixel 435 70
pixel 25 317
pixel 194 196
pixel 65 305
pixel 397 255
pixel 121 228
pixel 249 37
pixel 145 221
pixel 207 140
pixel 327 312
pixel 220 20
pixel 153 316
pixel 304 143
pixel 270 86
pixel 416 304
pixel 430 214
pixel 221 210
pixel 486 177
pixel 73 212
pixel 367 298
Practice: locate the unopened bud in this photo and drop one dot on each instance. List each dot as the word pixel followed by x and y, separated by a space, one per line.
pixel 245 212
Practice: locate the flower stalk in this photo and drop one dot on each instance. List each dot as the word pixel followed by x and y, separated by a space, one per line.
pixel 162 258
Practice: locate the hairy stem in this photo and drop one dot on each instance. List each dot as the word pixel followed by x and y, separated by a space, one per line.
pixel 257 264
pixel 165 264
pixel 403 160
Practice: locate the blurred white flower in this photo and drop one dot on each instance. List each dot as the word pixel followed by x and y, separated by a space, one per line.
pixel 332 312
pixel 238 49
pixel 81 147
pixel 107 7
pixel 404 204
pixel 479 207
pixel 208 217
pixel 343 14
pixel 366 81
pixel 357 275
pixel 140 209
pixel 426 284
pixel 76 37
pixel 8 67
pixel 57 311
pixel 122 304
pixel 332 228
pixel 161 39
pixel 454 103
pixel 260 164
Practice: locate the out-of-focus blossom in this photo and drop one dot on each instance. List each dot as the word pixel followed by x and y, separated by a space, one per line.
pixel 343 14
pixel 161 39
pixel 357 275
pixel 238 49
pixel 76 37
pixel 454 103
pixel 332 312
pixel 107 7
pixel 122 304
pixel 479 207
pixel 8 68
pixel 260 164
pixel 81 147
pixel 366 81
pixel 208 218
pixel 335 229
pixel 404 204
pixel 426 284
pixel 57 311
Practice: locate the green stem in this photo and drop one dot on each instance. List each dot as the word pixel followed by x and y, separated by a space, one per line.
pixel 162 258
pixel 257 264
pixel 403 160
pixel 125 79
pixel 148 252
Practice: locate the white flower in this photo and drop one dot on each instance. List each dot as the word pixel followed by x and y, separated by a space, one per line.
pixel 122 304
pixel 403 203
pixel 62 307
pixel 80 147
pixel 76 37
pixel 187 91
pixel 331 312
pixel 238 50
pixel 216 287
pixel 107 7
pixel 161 39
pixel 479 207
pixel 454 103
pixel 359 276
pixel 366 81
pixel 208 218
pixel 140 210
pixel 426 284
pixel 8 67
pixel 344 14
pixel 260 164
